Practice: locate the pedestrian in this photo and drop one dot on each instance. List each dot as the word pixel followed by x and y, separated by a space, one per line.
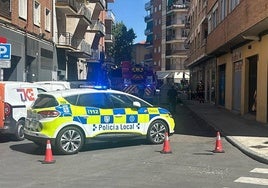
pixel 200 92
pixel 172 98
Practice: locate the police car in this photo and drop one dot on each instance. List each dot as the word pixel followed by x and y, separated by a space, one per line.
pixel 70 118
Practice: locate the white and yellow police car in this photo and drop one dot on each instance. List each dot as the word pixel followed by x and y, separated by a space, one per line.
pixel 70 118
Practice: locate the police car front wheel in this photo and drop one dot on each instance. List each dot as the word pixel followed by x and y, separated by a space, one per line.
pixel 156 132
pixel 70 140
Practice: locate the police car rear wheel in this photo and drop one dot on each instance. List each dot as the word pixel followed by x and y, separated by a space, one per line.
pixel 156 132
pixel 70 140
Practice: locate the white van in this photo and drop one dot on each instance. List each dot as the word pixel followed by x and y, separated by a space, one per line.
pixel 15 98
pixel 54 85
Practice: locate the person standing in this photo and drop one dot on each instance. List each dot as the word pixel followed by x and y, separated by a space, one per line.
pixel 200 92
pixel 172 98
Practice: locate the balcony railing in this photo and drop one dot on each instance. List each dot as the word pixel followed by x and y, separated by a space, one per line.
pixel 148 31
pixel 98 26
pixel 86 12
pixel 108 37
pixel 169 38
pixel 66 39
pixel 175 52
pixel 148 17
pixel 148 5
pixel 110 16
pixel 74 4
pixel 84 47
pixel 102 2
pixel 178 5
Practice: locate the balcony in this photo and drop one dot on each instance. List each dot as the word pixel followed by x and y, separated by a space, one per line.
pixel 178 6
pixel 148 5
pixel 110 16
pixel 108 37
pixel 148 31
pixel 97 26
pixel 176 52
pixel 101 2
pixel 69 4
pixel 170 38
pixel 86 13
pixel 148 17
pixel 76 45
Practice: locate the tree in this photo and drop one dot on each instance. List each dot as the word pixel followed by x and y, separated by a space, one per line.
pixel 121 48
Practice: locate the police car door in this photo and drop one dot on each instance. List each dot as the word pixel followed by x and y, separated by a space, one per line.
pixel 125 114
pixel 99 113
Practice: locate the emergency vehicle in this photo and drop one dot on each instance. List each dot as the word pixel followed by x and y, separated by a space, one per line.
pixel 71 118
pixel 138 80
pixel 15 97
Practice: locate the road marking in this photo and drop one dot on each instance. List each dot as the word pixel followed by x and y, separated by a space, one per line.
pixel 256 181
pixel 260 170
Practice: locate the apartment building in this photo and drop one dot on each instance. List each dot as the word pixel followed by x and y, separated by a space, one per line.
pixel 54 40
pixel 80 36
pixel 27 27
pixel 227 50
pixel 166 35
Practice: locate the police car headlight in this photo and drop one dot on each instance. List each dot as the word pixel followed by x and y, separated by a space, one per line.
pixel 170 115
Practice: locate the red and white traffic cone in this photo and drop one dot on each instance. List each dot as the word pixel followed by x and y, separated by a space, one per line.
pixel 218 147
pixel 166 146
pixel 48 157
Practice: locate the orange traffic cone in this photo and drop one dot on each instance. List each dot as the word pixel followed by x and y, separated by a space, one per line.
pixel 218 147
pixel 48 158
pixel 166 146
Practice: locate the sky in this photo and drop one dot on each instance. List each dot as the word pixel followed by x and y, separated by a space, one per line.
pixel 131 13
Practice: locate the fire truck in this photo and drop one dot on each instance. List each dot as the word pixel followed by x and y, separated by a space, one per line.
pixel 138 80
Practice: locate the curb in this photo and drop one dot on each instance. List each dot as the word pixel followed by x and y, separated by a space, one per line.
pixel 245 150
pixel 254 155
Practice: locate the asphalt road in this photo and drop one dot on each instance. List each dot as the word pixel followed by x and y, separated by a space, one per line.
pixel 133 163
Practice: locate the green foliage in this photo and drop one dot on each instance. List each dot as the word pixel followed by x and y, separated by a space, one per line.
pixel 121 48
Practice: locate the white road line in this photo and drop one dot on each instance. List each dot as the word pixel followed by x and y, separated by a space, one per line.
pixel 260 170
pixel 256 181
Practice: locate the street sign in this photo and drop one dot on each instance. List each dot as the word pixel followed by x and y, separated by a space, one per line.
pixel 5 64
pixel 5 52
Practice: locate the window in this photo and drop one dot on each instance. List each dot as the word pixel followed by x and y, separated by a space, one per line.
pixel 37 13
pixel 233 4
pixel 47 20
pixel 23 9
pixel 98 100
pixel 223 9
pixel 124 101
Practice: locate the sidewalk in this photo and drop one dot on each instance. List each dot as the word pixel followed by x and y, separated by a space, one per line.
pixel 243 132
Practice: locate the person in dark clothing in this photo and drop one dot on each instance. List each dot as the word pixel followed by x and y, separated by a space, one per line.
pixel 172 98
pixel 200 92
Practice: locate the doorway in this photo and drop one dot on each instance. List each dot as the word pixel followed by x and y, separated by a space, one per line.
pixel 252 83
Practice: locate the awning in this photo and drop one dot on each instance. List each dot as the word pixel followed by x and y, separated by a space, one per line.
pixel 181 75
pixel 162 74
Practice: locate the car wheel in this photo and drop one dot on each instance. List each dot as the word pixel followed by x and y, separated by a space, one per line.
pixel 70 140
pixel 156 132
pixel 19 134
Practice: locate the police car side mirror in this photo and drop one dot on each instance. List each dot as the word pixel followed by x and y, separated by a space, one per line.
pixel 136 104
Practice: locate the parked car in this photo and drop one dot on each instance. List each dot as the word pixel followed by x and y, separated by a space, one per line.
pixel 72 117
pixel 15 97
pixel 54 85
